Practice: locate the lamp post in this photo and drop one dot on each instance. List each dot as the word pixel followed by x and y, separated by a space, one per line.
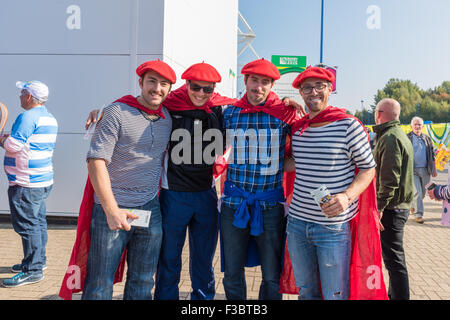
pixel 321 35
pixel 362 111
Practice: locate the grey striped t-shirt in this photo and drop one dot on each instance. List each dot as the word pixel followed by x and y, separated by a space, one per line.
pixel 133 147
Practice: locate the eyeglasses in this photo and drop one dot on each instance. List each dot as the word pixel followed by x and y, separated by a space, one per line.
pixel 319 88
pixel 195 87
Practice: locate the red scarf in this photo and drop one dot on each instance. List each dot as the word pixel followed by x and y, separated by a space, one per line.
pixel 273 106
pixel 133 102
pixel 178 100
pixel 366 276
pixel 330 114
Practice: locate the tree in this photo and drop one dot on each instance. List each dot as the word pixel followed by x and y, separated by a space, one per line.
pixel 434 104
pixel 366 116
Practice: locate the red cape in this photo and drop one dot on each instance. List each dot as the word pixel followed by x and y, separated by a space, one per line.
pixel 178 100
pixel 75 276
pixel 366 275
pixel 73 281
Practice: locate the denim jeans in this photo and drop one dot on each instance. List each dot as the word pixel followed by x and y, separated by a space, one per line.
pixel 421 179
pixel 320 256
pixel 143 246
pixel 270 248
pixel 28 216
pixel 196 211
pixel 393 222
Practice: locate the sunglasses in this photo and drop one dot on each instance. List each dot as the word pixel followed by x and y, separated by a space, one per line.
pixel 195 87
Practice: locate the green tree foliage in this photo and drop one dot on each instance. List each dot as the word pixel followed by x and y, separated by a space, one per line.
pixel 434 104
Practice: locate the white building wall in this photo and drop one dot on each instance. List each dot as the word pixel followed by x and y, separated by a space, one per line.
pixel 87 52
pixel 202 30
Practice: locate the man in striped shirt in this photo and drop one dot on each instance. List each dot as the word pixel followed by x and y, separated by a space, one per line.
pixel 124 164
pixel 325 155
pixel 28 166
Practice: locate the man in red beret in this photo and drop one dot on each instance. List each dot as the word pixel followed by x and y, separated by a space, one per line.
pixel 252 213
pixel 188 196
pixel 124 164
pixel 328 146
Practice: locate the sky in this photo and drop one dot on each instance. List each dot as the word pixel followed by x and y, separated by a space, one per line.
pixel 370 41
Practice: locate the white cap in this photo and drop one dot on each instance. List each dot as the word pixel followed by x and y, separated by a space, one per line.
pixel 36 88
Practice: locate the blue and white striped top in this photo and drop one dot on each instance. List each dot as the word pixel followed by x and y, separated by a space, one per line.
pixel 328 155
pixel 29 149
pixel 133 147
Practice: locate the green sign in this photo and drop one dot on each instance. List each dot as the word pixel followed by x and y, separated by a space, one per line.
pixel 286 64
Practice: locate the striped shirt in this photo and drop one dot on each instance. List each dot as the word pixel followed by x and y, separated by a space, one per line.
pixel 258 140
pixel 327 156
pixel 29 149
pixel 132 146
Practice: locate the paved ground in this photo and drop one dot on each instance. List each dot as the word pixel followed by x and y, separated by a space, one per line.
pixel 427 253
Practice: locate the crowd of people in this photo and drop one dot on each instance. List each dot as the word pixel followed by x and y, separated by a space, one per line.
pixel 298 189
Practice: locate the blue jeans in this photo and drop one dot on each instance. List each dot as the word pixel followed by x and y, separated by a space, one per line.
pixel 421 179
pixel 270 248
pixel 28 215
pixel 320 256
pixel 196 211
pixel 143 246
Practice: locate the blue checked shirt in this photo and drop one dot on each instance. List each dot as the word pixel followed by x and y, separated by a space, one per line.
pixel 256 164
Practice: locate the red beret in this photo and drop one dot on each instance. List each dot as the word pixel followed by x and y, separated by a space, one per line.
pixel 313 72
pixel 263 68
pixel 202 72
pixel 158 66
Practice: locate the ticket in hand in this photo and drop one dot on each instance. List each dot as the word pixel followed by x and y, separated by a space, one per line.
pixel 321 195
pixel 143 219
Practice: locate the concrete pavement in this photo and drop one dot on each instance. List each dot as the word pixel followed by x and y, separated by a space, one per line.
pixel 426 245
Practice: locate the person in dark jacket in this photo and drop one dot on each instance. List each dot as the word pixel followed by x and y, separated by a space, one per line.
pixel 394 157
pixel 424 166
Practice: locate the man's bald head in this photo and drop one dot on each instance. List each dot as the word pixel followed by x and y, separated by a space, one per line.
pixel 387 110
